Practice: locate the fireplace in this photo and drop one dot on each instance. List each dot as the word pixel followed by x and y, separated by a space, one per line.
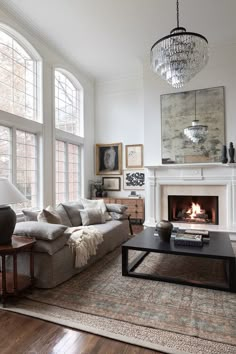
pixel 193 209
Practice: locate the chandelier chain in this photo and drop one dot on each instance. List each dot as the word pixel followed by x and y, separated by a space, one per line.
pixel 177 9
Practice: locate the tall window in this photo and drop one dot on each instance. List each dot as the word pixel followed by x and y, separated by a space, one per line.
pixel 27 166
pixel 68 172
pixel 19 162
pixel 67 104
pixel 69 132
pixel 19 78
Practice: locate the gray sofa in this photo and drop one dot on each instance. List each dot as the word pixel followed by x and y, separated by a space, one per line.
pixel 53 258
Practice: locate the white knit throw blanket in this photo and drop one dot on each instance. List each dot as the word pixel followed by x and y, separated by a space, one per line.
pixel 84 241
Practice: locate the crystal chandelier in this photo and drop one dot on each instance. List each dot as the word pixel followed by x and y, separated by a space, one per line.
pixel 197 133
pixel 179 56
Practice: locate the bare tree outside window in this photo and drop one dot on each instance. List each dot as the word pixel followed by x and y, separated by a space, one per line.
pixel 67 104
pixel 26 167
pixel 18 79
pixel 67 171
pixel 5 152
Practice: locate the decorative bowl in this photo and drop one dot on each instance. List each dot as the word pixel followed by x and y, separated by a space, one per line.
pixel 164 229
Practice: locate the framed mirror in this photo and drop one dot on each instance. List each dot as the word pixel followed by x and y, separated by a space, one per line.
pixel 193 126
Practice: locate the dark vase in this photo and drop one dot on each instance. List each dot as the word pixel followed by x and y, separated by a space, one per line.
pixel 224 158
pixel 231 152
pixel 98 194
pixel 164 229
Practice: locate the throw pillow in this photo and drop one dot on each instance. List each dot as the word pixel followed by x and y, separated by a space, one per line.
pixel 73 213
pixel 30 215
pixel 118 216
pixel 92 216
pixel 65 220
pixel 38 230
pixel 96 204
pixel 117 208
pixel 51 217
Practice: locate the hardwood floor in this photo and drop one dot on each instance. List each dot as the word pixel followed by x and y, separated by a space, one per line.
pixel 22 334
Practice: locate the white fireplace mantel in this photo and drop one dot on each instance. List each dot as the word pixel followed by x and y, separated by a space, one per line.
pixel 221 178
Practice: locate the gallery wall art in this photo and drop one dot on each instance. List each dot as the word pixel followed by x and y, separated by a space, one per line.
pixel 109 159
pixel 134 179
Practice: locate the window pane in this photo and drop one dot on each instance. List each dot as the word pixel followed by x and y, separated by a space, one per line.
pixel 60 171
pixel 26 167
pixel 18 79
pixel 67 171
pixel 73 171
pixel 67 110
pixel 5 152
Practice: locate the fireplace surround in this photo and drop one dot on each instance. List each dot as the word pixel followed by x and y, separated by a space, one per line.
pixel 207 179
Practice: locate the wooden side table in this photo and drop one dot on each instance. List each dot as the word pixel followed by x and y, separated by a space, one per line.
pixel 11 283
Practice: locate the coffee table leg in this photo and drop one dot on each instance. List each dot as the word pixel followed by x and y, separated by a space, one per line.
pixel 232 275
pixel 124 261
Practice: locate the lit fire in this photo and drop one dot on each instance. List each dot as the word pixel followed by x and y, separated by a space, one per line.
pixel 194 211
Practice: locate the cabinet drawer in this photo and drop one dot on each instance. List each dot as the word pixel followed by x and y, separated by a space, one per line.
pixel 137 216
pixel 134 209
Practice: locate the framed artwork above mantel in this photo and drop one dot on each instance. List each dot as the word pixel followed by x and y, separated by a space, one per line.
pixel 178 111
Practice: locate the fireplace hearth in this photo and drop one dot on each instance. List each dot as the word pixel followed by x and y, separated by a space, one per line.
pixel 193 209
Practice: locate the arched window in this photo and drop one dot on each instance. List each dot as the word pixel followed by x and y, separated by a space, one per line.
pixel 68 103
pixel 19 75
pixel 20 80
pixel 68 147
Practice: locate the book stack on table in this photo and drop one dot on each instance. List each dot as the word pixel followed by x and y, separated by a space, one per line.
pixel 189 239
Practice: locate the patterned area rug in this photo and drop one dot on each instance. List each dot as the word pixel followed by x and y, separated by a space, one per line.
pixel 167 317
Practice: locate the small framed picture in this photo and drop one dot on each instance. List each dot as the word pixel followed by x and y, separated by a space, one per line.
pixel 111 183
pixel 134 179
pixel 134 156
pixel 109 159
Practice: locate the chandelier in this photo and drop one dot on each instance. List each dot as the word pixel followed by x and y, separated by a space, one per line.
pixel 179 56
pixel 197 133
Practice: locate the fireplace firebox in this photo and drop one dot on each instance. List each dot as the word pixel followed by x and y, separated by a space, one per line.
pixel 193 209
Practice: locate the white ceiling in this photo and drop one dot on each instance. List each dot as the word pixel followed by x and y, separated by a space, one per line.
pixel 109 38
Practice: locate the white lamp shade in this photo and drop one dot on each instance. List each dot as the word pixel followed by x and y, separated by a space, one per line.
pixel 9 194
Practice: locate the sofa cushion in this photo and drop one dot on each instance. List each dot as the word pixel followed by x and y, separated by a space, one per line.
pixel 65 220
pixel 30 215
pixel 49 216
pixel 118 216
pixel 73 213
pixel 117 208
pixel 98 204
pixel 50 247
pixel 39 230
pixel 92 216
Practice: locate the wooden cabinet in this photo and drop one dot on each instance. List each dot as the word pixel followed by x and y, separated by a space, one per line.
pixel 135 206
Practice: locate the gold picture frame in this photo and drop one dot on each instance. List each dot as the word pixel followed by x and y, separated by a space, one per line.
pixel 111 183
pixel 109 159
pixel 134 156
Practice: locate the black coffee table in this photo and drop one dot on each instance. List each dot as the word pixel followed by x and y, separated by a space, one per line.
pixel 219 247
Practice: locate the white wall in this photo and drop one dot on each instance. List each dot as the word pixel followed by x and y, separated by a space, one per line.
pixel 52 59
pixel 119 115
pixel 220 71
